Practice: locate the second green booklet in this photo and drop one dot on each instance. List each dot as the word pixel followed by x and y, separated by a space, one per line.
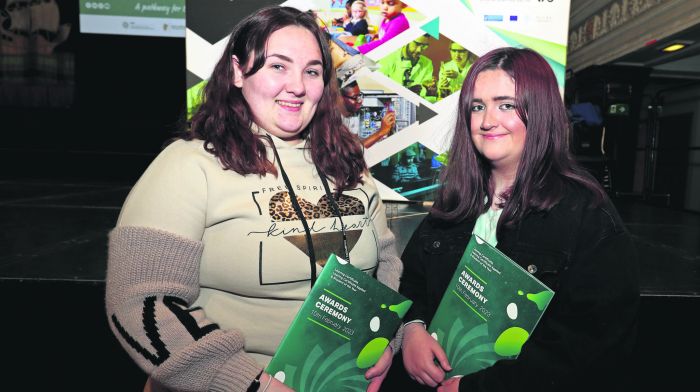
pixel 489 309
pixel 340 331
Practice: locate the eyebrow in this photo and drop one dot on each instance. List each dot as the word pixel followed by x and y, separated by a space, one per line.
pixel 496 98
pixel 289 59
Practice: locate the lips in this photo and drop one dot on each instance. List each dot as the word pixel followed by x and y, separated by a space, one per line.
pixel 492 136
pixel 289 105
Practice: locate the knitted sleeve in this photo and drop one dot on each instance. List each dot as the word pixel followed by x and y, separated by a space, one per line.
pixel 389 266
pixel 152 281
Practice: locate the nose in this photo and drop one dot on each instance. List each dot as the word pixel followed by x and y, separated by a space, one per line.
pixel 295 85
pixel 489 120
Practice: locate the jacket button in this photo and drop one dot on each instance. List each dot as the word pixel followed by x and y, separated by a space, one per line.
pixel 532 268
pixel 436 244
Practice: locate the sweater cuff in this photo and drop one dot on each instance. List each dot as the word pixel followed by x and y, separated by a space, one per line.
pixel 397 341
pixel 390 266
pixel 236 374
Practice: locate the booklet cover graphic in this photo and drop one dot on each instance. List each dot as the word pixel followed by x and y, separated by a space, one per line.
pixel 341 330
pixel 489 309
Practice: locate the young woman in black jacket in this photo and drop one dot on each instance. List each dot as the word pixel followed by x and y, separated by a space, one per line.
pixel 512 180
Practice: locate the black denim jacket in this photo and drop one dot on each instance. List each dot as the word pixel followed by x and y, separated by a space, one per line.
pixel 584 254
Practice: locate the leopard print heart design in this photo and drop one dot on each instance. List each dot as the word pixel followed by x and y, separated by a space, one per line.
pixel 281 209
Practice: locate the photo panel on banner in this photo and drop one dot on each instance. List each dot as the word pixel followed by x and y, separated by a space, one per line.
pixel 400 68
pixel 431 68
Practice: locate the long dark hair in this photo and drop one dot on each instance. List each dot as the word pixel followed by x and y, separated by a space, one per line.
pixel 546 165
pixel 224 120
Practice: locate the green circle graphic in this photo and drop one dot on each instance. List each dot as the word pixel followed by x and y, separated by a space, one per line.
pixel 371 352
pixel 510 341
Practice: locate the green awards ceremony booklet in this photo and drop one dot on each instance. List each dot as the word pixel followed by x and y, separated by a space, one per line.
pixel 340 331
pixel 489 309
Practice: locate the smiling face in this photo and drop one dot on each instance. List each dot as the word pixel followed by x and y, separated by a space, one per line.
pixel 496 130
pixel 284 93
pixel 391 8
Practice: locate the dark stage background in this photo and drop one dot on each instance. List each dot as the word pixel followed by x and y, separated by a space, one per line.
pixel 129 93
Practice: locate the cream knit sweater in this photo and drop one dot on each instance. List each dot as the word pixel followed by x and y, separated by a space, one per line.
pixel 207 268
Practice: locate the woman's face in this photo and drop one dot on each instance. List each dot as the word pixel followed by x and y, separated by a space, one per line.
pixel 496 130
pixel 284 93
pixel 391 8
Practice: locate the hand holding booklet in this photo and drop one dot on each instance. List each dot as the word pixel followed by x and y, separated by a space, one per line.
pixel 341 330
pixel 489 309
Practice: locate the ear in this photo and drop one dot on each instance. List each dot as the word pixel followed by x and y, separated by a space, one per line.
pixel 237 72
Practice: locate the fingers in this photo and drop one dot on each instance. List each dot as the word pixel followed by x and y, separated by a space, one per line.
pixel 372 372
pixel 435 374
pixel 382 365
pixel 375 370
pixel 428 379
pixel 390 118
pixel 449 385
pixel 442 358
pixel 375 384
pixel 425 372
pixel 420 352
pixel 377 373
pixel 278 386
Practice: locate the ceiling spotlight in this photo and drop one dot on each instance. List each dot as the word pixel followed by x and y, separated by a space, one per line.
pixel 675 46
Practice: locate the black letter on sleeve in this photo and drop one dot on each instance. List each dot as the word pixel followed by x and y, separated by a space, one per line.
pixel 175 305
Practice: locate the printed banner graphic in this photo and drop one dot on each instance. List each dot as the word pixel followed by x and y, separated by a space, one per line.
pixel 400 68
pixel 160 18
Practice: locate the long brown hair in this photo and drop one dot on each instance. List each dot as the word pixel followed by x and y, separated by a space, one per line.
pixel 546 165
pixel 224 120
